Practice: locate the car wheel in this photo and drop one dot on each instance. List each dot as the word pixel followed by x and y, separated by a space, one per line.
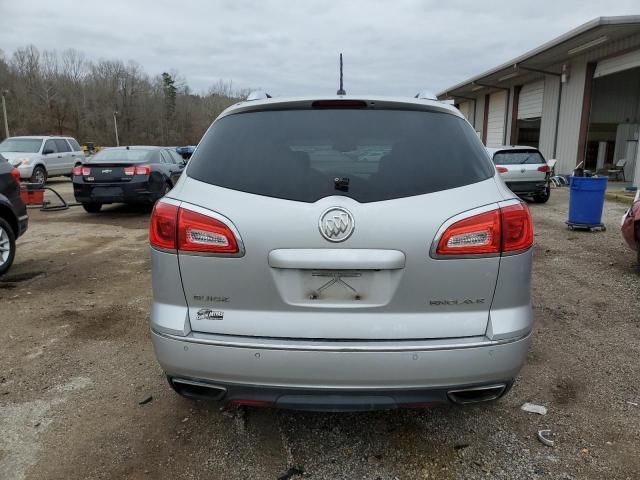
pixel 92 207
pixel 543 197
pixel 39 175
pixel 7 246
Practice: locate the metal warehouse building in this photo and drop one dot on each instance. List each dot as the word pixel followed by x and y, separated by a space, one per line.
pixel 576 98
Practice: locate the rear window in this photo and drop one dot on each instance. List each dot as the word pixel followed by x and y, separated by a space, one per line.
pixel 299 154
pixel 518 157
pixel 122 155
pixel 74 144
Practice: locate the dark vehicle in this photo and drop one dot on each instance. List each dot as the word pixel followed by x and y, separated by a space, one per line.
pixel 13 213
pixel 126 175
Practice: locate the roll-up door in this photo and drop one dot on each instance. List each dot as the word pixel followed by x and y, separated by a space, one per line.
pixel 617 64
pixel 495 118
pixel 530 101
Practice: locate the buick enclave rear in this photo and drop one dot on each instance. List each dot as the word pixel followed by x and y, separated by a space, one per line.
pixel 339 254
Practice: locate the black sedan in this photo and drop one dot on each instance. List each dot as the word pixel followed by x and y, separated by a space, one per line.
pixel 13 213
pixel 126 175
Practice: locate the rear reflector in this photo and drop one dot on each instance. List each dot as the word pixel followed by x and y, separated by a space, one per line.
pixel 506 229
pixel 178 228
pixel 544 168
pixel 502 169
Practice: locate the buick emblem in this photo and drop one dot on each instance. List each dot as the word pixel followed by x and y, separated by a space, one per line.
pixel 336 224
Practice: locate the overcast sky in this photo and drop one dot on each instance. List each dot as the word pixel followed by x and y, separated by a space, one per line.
pixel 290 47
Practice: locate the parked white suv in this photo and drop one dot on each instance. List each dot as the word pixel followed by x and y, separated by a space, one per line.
pixel 38 158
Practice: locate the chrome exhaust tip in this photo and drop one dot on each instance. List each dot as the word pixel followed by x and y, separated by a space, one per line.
pixel 197 389
pixel 465 396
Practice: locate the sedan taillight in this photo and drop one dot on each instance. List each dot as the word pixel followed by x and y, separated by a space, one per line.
pixel 544 168
pixel 503 230
pixel 77 171
pixel 137 170
pixel 502 169
pixel 179 228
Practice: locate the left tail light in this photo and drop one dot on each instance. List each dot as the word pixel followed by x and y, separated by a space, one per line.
pixel 186 230
pixel 15 173
pixel 502 230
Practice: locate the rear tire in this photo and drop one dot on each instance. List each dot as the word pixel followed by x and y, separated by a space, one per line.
pixel 7 246
pixel 92 207
pixel 543 197
pixel 39 175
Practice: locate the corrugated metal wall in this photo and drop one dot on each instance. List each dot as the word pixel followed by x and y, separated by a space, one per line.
pixel 466 108
pixel 479 117
pixel 570 114
pixel 549 115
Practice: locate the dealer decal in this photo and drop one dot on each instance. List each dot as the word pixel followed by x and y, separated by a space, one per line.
pixel 208 314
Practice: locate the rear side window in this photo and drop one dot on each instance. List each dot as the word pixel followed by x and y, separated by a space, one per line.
pixel 518 157
pixel 74 144
pixel 62 145
pixel 50 146
pixel 299 154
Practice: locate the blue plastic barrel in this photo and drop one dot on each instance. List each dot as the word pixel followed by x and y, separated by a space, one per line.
pixel 586 200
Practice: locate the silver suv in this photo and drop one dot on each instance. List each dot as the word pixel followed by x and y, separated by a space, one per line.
pixel 524 170
pixel 340 253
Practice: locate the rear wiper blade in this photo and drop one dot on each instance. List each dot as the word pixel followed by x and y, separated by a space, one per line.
pixel 341 183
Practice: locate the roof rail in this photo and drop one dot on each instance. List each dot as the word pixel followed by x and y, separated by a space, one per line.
pixel 426 95
pixel 258 95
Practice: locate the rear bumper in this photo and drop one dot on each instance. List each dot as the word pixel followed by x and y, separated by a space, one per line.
pixel 134 191
pixel 402 374
pixel 524 188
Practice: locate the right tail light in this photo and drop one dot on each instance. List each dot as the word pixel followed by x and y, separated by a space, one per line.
pixel 502 230
pixel 502 169
pixel 180 228
pixel 15 173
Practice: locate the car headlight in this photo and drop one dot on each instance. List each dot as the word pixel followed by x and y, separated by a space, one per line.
pixel 22 162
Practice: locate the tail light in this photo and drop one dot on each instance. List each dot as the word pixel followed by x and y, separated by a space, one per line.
pixel 15 173
pixel 162 228
pixel 137 170
pixel 201 233
pixel 77 171
pixel 544 168
pixel 505 229
pixel 177 228
pixel 502 169
pixel 81 171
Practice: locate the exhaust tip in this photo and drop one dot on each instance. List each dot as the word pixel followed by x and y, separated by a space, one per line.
pixel 198 390
pixel 465 396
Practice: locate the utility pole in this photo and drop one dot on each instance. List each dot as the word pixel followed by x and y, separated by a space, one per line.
pixel 4 111
pixel 115 124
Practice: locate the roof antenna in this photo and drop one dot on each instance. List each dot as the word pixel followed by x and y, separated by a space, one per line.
pixel 341 91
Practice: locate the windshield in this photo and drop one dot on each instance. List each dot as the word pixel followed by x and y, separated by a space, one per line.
pixel 122 155
pixel 518 157
pixel 21 145
pixel 368 155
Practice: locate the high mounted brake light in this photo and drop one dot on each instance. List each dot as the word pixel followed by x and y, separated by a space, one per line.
pixel 502 230
pixel 339 104
pixel 183 229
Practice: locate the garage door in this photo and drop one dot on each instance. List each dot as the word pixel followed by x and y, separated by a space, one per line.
pixel 495 119
pixel 617 64
pixel 465 108
pixel 530 101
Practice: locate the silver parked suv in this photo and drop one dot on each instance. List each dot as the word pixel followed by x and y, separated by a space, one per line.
pixel 340 253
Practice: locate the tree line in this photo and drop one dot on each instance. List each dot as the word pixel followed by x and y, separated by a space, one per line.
pixel 51 93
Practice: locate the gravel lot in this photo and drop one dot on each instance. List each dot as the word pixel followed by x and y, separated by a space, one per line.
pixel 76 362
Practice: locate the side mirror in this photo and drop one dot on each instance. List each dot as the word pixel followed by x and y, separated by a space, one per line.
pixel 47 151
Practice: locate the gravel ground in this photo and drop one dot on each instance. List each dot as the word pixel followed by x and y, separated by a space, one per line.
pixel 76 362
